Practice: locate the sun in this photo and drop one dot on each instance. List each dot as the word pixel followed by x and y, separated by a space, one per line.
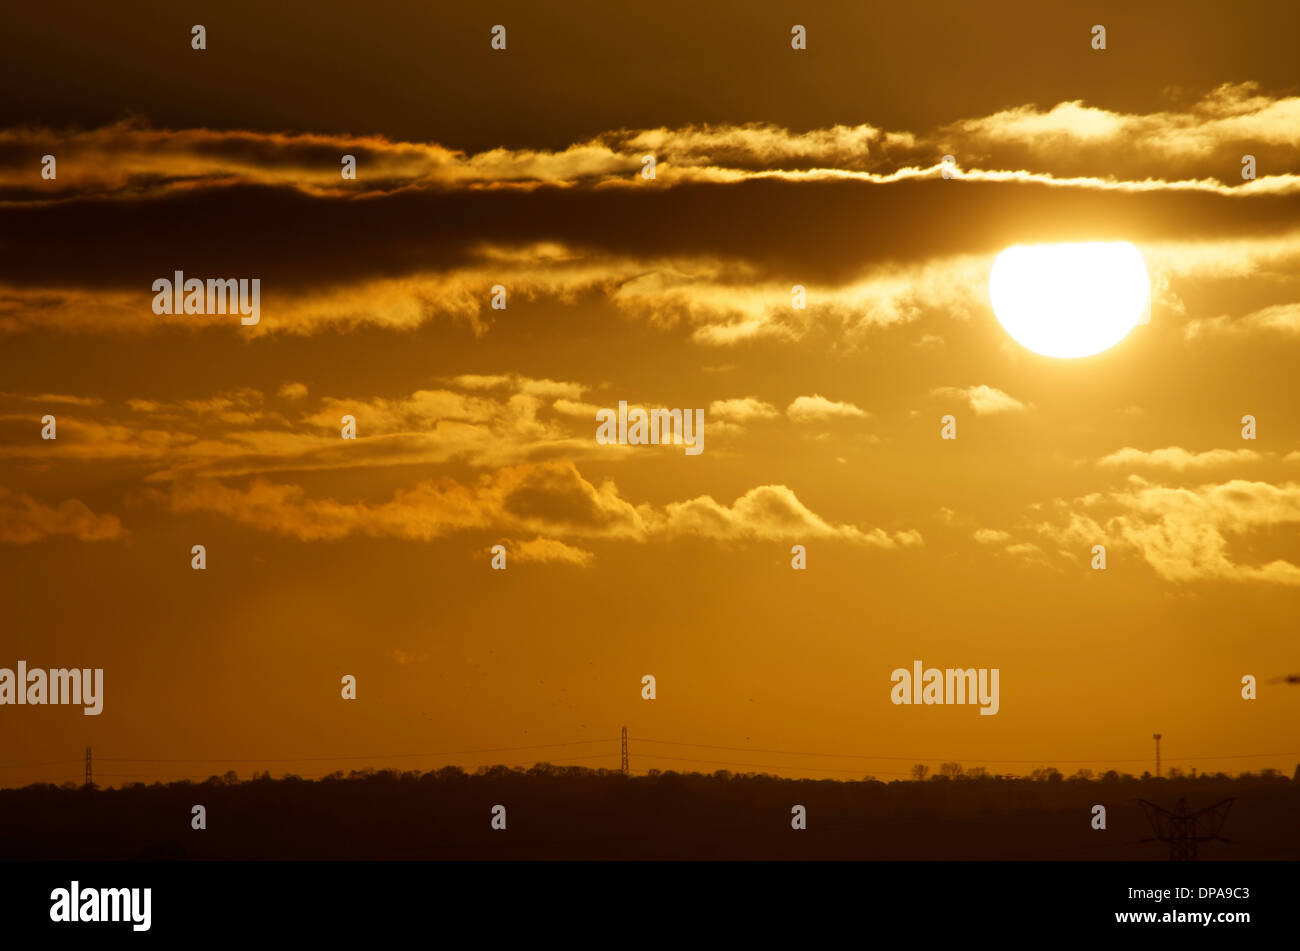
pixel 1069 300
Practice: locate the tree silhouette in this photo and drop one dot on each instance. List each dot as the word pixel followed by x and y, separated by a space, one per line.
pixel 574 813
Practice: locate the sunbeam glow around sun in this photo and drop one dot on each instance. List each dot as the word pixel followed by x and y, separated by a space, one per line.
pixel 1069 300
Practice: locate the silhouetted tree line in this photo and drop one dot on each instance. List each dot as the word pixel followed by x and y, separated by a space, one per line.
pixel 573 812
pixel 1050 774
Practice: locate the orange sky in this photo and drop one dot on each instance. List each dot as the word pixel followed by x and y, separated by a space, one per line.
pixel 476 426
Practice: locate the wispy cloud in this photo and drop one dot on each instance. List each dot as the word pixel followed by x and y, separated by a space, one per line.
pixel 984 400
pixel 24 520
pixel 552 500
pixel 1177 458
pixel 1176 146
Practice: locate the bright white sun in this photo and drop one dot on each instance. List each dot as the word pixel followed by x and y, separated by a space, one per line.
pixel 1069 300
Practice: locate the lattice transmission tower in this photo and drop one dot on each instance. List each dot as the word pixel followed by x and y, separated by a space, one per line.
pixel 1184 830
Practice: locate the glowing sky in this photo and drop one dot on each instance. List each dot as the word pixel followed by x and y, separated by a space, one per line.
pixel 476 427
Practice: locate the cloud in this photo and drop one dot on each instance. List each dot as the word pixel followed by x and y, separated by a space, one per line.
pixel 550 389
pixel 233 433
pixel 24 520
pixel 1199 143
pixel 771 513
pixel 95 440
pixel 549 551
pixel 743 410
pixel 1271 263
pixel 1177 458
pixel 1278 318
pixel 59 399
pixel 576 408
pixel 420 411
pixel 991 536
pixel 549 499
pixel 132 156
pixel 1184 533
pixel 696 255
pixel 546 498
pixel 817 408
pixel 293 391
pixel 1204 138
pixel 984 400
pixel 691 249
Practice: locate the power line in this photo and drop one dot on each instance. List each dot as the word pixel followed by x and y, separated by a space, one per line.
pixel 1183 829
pixel 586 756
pixel 306 759
pixel 718 762
pixel 974 759
pixel 169 774
pixel 623 744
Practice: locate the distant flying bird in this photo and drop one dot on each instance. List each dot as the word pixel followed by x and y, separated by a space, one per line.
pixel 1288 679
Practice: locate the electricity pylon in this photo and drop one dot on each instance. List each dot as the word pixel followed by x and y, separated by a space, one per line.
pixel 1184 829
